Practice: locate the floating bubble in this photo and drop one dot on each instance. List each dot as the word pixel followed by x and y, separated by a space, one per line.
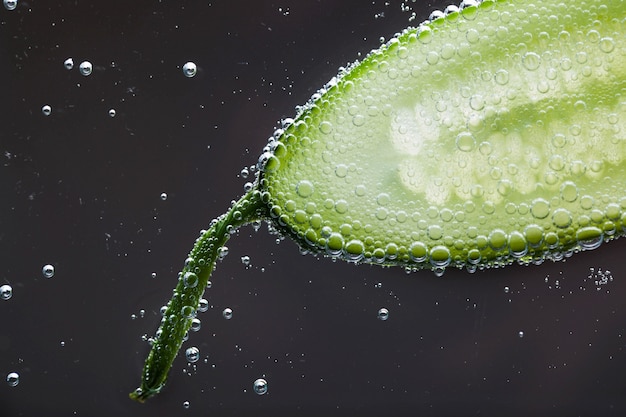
pixel 48 271
pixel 46 110
pixel 112 112
pixel 383 314
pixel 10 5
pixel 260 386
pixel 190 69
pixel 186 404
pixel 6 292
pixel 68 64
pixel 163 196
pixel 192 354
pixel 227 313
pixel 195 324
pixel 85 68
pixel 13 378
pixel 520 334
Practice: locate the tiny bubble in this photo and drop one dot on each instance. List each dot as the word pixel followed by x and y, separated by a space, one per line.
pixel 383 314
pixel 48 271
pixel 13 379
pixel 46 110
pixel 227 313
pixel 112 113
pixel 163 196
pixel 190 69
pixel 85 68
pixel 260 386
pixel 6 292
pixel 68 64
pixel 10 4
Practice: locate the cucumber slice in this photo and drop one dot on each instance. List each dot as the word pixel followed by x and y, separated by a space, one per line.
pixel 492 133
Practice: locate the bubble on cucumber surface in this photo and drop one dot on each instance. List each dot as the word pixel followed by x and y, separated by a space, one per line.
pixel 85 68
pixel 48 271
pixel 13 379
pixel 10 4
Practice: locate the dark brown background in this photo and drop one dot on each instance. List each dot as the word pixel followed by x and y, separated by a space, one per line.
pixel 81 190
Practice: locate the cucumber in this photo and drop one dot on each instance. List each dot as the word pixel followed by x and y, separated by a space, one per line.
pixel 493 133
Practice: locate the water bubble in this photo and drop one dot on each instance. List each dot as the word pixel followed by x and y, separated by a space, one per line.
pixel 190 280
pixel 465 142
pixel 190 69
pixel 68 64
pixel 13 378
pixel 163 196
pixel 531 61
pixel 195 324
pixel 540 208
pixel 383 314
pixel 186 404
pixel 520 334
pixel 227 313
pixel 6 292
pixel 48 271
pixel 192 354
pixel 260 386
pixel 304 188
pixel 112 112
pixel 188 312
pixel 507 289
pixel 203 305
pixel 46 110
pixel 85 68
pixel 10 5
pixel 153 275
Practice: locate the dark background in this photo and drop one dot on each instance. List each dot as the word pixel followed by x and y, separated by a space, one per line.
pixel 81 190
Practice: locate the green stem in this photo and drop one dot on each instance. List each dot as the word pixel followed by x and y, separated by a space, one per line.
pixel 191 285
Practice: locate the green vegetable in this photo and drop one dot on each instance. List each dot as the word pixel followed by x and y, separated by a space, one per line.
pixel 493 133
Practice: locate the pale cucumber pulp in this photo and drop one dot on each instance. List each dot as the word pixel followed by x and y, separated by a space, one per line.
pixel 495 132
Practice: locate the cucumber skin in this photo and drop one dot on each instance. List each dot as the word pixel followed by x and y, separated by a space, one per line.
pixel 493 135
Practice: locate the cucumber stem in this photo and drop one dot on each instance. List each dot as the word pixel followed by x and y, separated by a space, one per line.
pixel 192 282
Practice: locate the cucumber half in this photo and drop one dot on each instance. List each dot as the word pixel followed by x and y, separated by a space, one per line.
pixel 494 132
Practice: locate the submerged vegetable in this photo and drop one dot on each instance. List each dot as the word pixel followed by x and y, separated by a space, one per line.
pixel 492 133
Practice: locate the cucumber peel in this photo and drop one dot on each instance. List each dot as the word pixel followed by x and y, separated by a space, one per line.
pixel 492 133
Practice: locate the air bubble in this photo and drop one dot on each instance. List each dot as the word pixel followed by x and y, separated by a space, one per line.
pixel 10 4
pixel 540 208
pixel 383 314
pixel 188 312
pixel 112 113
pixel 48 271
pixel 68 64
pixel 46 110
pixel 190 280
pixel 85 68
pixel 465 142
pixel 13 378
pixel 326 128
pixel 190 69
pixel 6 292
pixel 192 354
pixel 163 196
pixel 196 324
pixel 531 61
pixel 520 334
pixel 589 237
pixel 186 404
pixel 227 313
pixel 260 386
pixel 440 256
pixel 304 188
pixel 561 218
pixel 203 305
